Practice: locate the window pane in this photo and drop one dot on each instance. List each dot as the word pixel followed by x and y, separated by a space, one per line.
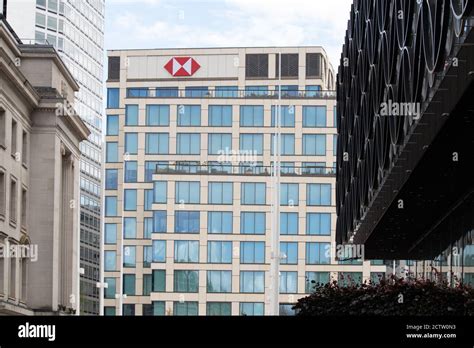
pixel 112 125
pixel 159 251
pixel 157 115
pixel 111 179
pixel 130 200
pixel 129 228
pixel 220 115
pixel 131 115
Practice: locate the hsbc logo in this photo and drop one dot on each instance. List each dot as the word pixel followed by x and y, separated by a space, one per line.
pixel 182 66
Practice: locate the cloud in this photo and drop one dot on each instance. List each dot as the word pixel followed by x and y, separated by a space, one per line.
pixel 205 23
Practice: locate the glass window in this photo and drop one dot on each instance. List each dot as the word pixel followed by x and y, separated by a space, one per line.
pixel 129 227
pixel 252 252
pixel 313 91
pixel 186 251
pixel 318 253
pixel 287 146
pixel 220 115
pixel 313 168
pixel 156 143
pixel 219 309
pixel 287 309
pixel 128 309
pixel 252 223
pixel 111 179
pixel 287 116
pixel 188 192
pixel 147 256
pixel 160 192
pixel 167 92
pixel 287 90
pixel 159 251
pixel 318 224
pixel 112 152
pixel 185 308
pixel 112 125
pixel 256 91
pixel 219 281
pixel 137 92
pixel 314 144
pixel 111 288
pixel 251 308
pixel 252 143
pixel 131 168
pixel 252 282
pixel 131 115
pixel 314 116
pixel 219 252
pixel 289 253
pixel 130 200
pixel 251 116
pixel 253 193
pixel 289 195
pixel 129 256
pixel 151 167
pixel 220 193
pixel 159 222
pixel 349 278
pixel 157 115
pixel 219 222
pixel 188 144
pixel 288 282
pixel 159 281
pixel 318 194
pixel 148 204
pixel 110 206
pixel 110 263
pixel 187 222
pixel 226 92
pixel 314 278
pixel 158 308
pixel 40 3
pixel 113 98
pixel 147 284
pixel 129 284
pixel 376 277
pixel 196 92
pixel 110 233
pixel 334 144
pixel 288 223
pixel 147 227
pixel 186 281
pixel 131 143
pixel 109 311
pixel 219 143
pixel 189 115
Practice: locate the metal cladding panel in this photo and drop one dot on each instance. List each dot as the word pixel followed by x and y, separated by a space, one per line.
pixel 396 54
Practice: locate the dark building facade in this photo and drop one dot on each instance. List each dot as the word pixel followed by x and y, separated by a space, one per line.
pixel 406 133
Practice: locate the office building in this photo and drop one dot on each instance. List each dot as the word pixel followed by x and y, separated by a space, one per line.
pixel 405 151
pixel 40 134
pixel 76 30
pixel 188 180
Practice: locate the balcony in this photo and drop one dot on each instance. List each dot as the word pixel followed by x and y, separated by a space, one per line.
pixel 161 93
pixel 246 170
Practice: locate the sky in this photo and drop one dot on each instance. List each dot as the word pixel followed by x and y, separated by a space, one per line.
pixel 227 23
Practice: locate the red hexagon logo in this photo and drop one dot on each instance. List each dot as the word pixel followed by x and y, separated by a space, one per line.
pixel 182 66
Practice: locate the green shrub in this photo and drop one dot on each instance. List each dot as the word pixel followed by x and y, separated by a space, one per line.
pixel 394 297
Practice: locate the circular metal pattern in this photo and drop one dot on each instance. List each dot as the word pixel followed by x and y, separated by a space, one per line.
pixel 392 53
